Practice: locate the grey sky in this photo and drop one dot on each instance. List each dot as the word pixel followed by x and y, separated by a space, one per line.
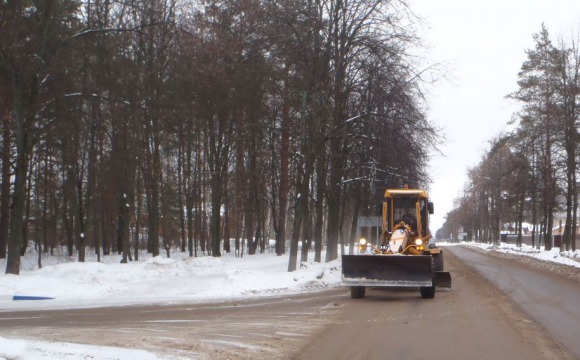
pixel 483 45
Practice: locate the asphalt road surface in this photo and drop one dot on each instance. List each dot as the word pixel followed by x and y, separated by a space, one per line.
pixel 512 311
pixel 475 320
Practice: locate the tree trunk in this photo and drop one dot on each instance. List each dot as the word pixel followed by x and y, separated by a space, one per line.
pixel 284 178
pixel 300 211
pixel 80 221
pixel 575 216
pixel 153 178
pixel 18 200
pixel 296 226
pixel 215 221
pixel 139 205
pixel 333 201
pixel 306 230
pixel 189 198
pixel 180 190
pixel 123 234
pixel 319 206
pixel 354 222
pixel 5 188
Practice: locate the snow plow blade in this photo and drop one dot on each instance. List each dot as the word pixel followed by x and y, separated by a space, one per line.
pixel 387 270
pixel 443 280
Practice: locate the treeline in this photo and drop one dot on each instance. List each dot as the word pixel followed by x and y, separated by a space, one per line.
pixel 530 174
pixel 155 123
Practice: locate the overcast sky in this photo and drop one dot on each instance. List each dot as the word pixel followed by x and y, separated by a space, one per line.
pixel 483 45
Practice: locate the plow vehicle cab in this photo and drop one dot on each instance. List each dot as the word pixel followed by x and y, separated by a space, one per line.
pixel 405 257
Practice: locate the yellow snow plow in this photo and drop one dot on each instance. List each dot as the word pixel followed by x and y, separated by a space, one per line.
pixel 405 257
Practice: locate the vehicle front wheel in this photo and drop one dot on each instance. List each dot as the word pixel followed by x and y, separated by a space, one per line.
pixel 428 292
pixel 357 292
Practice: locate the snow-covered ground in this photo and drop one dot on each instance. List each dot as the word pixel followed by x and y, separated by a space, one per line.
pixel 566 257
pixel 164 280
pixel 160 280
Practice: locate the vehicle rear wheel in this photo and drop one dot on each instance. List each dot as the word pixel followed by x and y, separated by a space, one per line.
pixel 357 292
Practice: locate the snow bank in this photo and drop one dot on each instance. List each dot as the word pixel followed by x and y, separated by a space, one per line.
pixel 570 258
pixel 159 279
pixel 39 350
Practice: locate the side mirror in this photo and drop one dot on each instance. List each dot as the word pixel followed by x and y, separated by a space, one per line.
pixel 430 208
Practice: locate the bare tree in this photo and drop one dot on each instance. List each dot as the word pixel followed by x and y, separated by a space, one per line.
pixel 33 35
pixel 211 118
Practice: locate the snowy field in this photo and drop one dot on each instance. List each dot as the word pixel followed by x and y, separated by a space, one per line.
pixel 160 280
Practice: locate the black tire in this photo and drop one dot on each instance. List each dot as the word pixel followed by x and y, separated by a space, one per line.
pixel 438 264
pixel 428 292
pixel 357 292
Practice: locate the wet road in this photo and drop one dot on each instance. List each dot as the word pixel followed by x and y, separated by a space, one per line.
pixel 475 320
pixel 549 299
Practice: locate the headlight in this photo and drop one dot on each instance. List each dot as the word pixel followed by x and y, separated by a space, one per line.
pixel 362 241
pixel 418 242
